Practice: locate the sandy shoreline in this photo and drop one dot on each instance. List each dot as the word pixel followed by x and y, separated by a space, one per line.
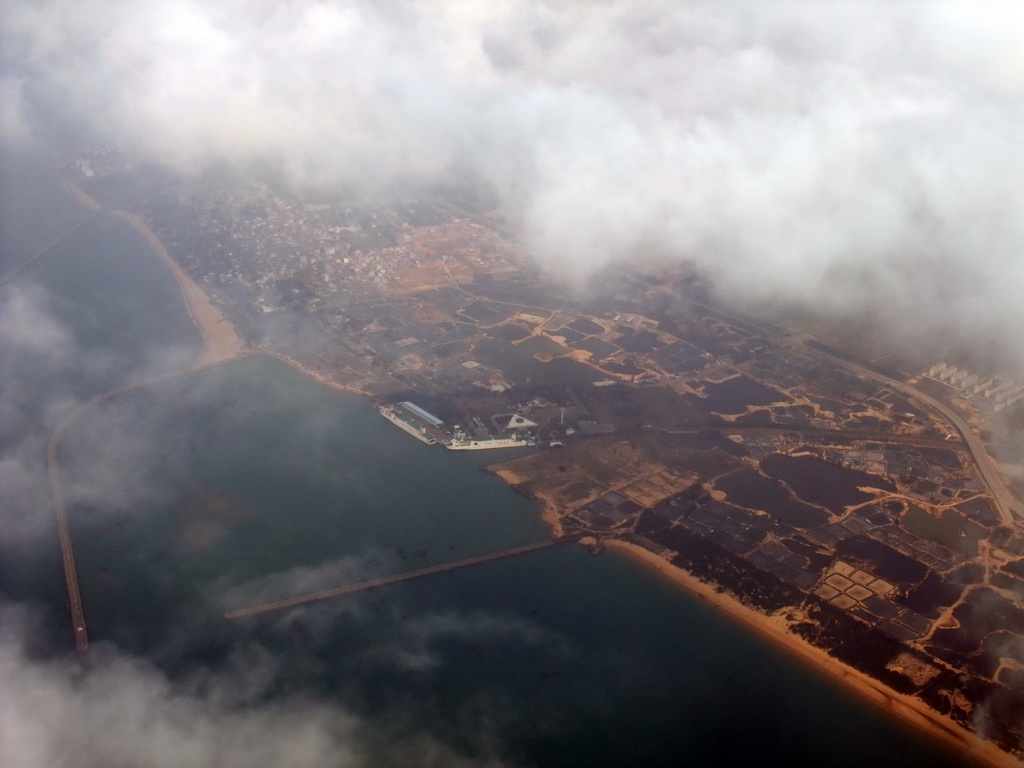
pixel 908 709
pixel 548 510
pixel 81 197
pixel 221 342
pixel 307 371
pixel 220 339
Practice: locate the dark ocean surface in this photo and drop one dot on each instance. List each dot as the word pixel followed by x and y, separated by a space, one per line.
pixel 249 482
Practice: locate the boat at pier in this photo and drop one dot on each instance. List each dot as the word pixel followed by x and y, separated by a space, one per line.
pixel 484 443
pixel 407 422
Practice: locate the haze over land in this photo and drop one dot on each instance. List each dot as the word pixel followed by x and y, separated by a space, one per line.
pixel 862 159
pixel 853 157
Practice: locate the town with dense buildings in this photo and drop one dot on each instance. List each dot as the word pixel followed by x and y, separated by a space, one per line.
pixel 847 501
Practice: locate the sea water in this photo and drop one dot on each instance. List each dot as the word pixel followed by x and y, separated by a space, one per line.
pixel 250 482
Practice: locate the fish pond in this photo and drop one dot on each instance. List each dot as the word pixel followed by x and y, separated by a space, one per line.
pixel 748 488
pixel 820 482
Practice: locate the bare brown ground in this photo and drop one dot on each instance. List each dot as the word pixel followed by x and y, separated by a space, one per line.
pixel 221 342
pixel 587 470
pixel 775 629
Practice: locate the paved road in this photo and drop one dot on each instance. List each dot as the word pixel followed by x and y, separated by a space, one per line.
pixel 39 254
pixel 67 552
pixel 849 435
pixel 1007 504
pixel 220 344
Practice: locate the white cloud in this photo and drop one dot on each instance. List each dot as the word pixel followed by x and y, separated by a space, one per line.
pixel 109 710
pixel 307 579
pixel 854 156
pixel 117 711
pixel 27 326
pixel 414 644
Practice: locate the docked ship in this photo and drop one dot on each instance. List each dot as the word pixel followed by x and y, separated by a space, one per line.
pixel 407 422
pixel 484 443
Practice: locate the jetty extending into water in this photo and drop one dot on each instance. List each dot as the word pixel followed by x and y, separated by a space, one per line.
pixel 221 343
pixel 383 581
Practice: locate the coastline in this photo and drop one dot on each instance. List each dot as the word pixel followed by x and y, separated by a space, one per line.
pixel 774 629
pixel 221 341
pixel 548 510
pixel 220 344
pixel 307 371
pixel 912 712
pixel 80 195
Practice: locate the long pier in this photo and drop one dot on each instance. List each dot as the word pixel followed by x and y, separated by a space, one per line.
pixel 67 553
pixel 383 581
pixel 14 271
pixel 220 344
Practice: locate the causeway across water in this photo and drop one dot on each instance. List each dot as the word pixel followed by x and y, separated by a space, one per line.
pixel 383 581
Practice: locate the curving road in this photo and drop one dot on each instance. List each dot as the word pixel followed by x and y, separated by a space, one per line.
pixel 1006 502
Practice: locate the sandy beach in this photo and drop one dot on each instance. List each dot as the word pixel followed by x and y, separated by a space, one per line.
pixel 220 339
pixel 548 510
pixel 774 628
pixel 221 342
pixel 80 195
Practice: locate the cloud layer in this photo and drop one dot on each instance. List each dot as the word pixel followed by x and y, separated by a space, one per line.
pixel 854 156
pixel 117 711
pixel 113 710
